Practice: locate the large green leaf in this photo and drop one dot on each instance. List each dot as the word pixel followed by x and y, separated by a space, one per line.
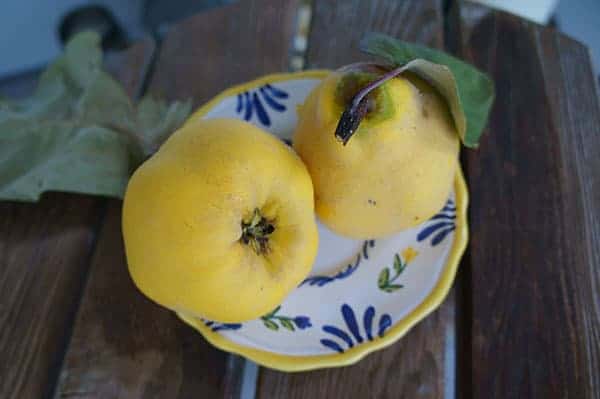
pixel 79 131
pixel 468 91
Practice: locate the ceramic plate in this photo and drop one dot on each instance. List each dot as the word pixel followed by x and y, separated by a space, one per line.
pixel 361 295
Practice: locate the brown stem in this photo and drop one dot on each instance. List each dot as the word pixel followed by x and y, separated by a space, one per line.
pixel 359 107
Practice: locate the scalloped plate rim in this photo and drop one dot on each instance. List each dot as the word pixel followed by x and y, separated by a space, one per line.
pixel 437 295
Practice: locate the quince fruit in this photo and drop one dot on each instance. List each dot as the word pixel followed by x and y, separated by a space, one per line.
pixel 219 223
pixel 397 168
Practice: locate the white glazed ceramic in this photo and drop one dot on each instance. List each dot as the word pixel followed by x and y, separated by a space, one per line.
pixel 361 294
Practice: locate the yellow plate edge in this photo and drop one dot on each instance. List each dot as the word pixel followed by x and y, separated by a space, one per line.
pixel 353 355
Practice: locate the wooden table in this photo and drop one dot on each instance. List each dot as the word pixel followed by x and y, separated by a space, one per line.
pixel 523 319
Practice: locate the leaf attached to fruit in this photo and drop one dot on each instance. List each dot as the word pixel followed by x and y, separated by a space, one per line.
pixel 468 91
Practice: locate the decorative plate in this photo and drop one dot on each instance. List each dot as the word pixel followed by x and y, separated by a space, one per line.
pixel 361 295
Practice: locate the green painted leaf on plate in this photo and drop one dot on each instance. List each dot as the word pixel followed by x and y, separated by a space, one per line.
pixel 270 324
pixel 384 278
pixel 392 287
pixel 287 324
pixel 398 264
pixel 272 312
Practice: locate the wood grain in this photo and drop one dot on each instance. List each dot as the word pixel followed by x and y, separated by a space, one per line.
pixel 421 364
pixel 44 254
pixel 336 28
pixel 209 52
pixel 123 345
pixel 535 214
pixel 413 367
pixel 45 250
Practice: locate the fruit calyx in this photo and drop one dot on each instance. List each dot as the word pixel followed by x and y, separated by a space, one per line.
pixel 360 106
pixel 256 232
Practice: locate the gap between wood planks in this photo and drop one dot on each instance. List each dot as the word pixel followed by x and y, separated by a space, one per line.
pixel 463 314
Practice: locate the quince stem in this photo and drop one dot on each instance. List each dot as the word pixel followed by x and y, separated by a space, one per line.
pixel 359 107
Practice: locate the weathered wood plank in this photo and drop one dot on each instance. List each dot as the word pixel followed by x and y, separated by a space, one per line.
pixel 336 29
pixel 421 362
pixel 45 250
pixel 535 214
pixel 123 345
pixel 207 53
pixel 44 256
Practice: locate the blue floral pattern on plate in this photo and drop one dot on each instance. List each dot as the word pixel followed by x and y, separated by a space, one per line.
pixel 350 335
pixel 443 223
pixel 258 101
pixel 322 280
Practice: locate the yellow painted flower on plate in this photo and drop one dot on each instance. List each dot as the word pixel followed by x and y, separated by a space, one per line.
pixel 409 254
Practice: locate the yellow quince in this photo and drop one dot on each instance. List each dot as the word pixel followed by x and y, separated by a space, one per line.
pixel 220 223
pixel 398 167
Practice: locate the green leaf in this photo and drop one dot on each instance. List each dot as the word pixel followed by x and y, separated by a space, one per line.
pixel 271 325
pixel 468 91
pixel 398 267
pixel 287 324
pixel 79 131
pixel 157 120
pixel 384 278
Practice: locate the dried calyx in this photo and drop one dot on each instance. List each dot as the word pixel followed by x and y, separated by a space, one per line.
pixel 256 232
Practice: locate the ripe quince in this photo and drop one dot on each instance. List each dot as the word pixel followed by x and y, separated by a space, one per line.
pixel 398 167
pixel 219 223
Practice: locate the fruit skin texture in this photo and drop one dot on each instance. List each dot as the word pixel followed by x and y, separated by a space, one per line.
pixel 394 173
pixel 183 214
